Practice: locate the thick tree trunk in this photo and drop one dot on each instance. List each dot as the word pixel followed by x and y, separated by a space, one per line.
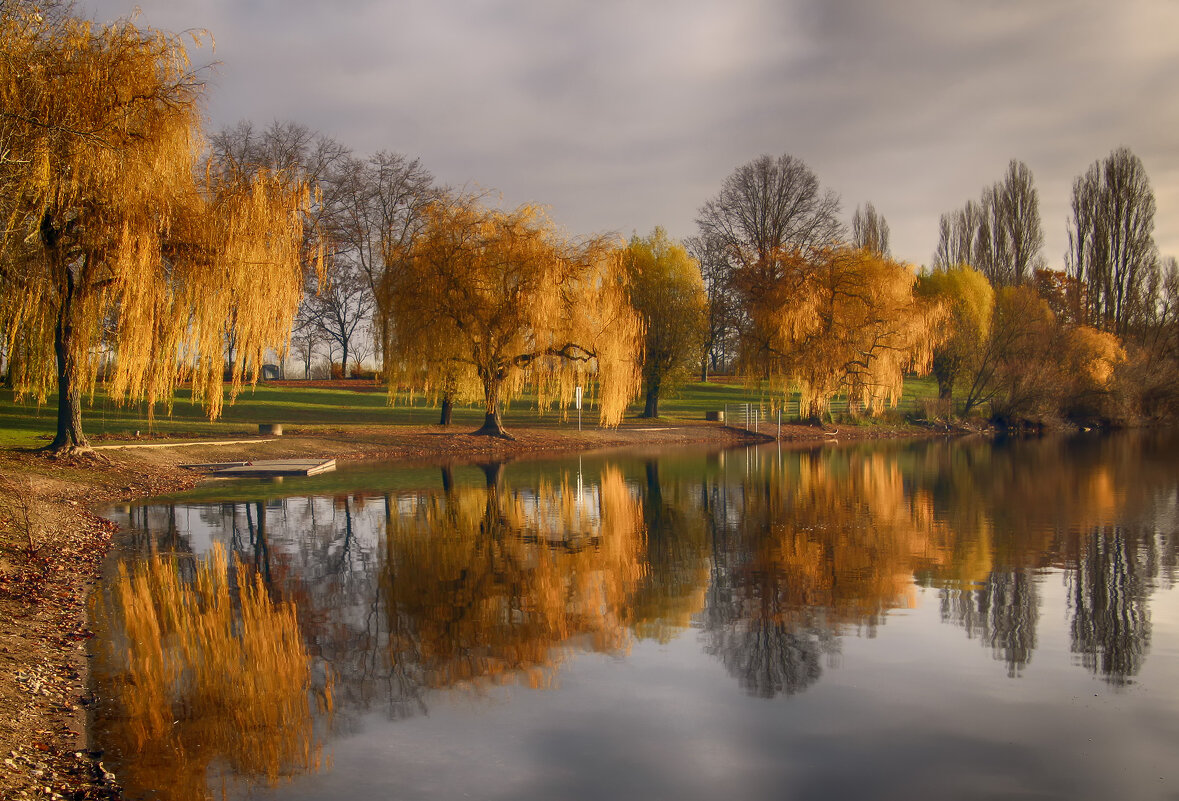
pixel 492 425
pixel 447 410
pixel 69 437
pixel 704 369
pixel 651 409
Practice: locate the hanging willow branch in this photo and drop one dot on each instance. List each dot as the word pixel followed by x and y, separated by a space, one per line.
pixel 485 302
pixel 112 239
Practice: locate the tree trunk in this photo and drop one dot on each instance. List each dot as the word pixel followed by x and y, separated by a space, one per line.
pixel 69 437
pixel 492 425
pixel 704 369
pixel 447 410
pixel 651 409
pixel 12 368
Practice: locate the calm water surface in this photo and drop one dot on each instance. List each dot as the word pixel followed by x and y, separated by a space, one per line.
pixel 918 620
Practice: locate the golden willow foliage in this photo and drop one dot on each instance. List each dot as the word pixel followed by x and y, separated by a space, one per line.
pixel 490 585
pixel 199 678
pixel 247 241
pixel 839 321
pixel 837 531
pixel 498 300
pixel 964 330
pixel 666 289
pixel 110 239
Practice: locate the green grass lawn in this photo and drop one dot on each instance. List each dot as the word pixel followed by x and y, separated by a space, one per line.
pixel 27 425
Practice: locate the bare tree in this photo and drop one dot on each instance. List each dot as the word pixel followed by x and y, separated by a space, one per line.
pixel 767 212
pixel 1019 237
pixel 1000 235
pixel 870 231
pixel 770 218
pixel 343 308
pixel 380 201
pixel 719 342
pixel 305 336
pixel 1111 240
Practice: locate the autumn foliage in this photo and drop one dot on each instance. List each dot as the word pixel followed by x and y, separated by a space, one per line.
pixel 840 321
pixel 486 302
pixel 114 245
pixel 208 671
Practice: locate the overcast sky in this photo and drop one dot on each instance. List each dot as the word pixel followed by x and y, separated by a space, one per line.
pixel 621 115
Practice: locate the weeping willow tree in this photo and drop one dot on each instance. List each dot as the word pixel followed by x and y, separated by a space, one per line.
pixel 840 321
pixel 113 241
pixel 206 675
pixel 487 302
pixel 545 572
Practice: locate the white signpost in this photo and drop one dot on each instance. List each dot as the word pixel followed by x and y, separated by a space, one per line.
pixel 577 401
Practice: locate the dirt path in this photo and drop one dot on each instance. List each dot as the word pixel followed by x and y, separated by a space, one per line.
pixel 53 541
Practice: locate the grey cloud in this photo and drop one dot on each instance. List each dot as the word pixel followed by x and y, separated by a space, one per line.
pixel 624 115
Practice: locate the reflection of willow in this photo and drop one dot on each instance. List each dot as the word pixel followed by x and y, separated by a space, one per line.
pixel 197 679
pixel 1108 594
pixel 802 549
pixel 675 584
pixel 1002 612
pixel 489 584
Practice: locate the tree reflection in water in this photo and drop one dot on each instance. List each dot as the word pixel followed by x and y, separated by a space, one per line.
pixel 493 584
pixel 804 547
pixel 209 678
pixel 773 556
pixel 672 588
pixel 1002 613
pixel 1108 596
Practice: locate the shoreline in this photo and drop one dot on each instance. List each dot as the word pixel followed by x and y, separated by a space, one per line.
pixel 56 543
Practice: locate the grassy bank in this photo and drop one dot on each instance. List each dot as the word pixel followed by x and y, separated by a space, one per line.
pixel 312 408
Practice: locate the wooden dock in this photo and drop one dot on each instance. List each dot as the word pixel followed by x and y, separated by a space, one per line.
pixel 266 468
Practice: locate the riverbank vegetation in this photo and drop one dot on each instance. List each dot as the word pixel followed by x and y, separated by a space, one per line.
pixel 133 262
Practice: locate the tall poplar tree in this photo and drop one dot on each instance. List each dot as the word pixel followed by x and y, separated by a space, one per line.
pixel 1000 234
pixel 1111 240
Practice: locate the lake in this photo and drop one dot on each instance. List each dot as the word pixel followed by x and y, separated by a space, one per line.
pixel 895 620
